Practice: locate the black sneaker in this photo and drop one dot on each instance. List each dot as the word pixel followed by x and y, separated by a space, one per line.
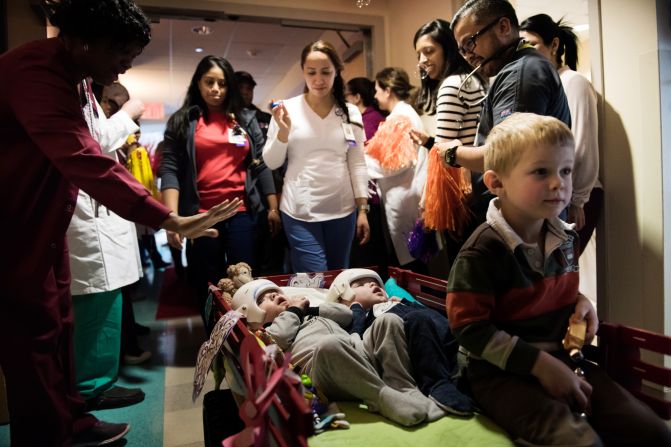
pixel 102 433
pixel 449 399
pixel 115 397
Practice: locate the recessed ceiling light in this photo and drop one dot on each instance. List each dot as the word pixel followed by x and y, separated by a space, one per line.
pixel 203 30
pixel 198 50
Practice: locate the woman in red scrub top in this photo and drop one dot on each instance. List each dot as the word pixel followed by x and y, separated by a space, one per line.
pixel 212 152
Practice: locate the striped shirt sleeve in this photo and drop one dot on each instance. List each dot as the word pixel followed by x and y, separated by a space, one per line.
pixel 456 114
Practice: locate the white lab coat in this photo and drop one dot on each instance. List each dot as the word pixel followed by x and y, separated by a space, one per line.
pixel 104 253
pixel 401 190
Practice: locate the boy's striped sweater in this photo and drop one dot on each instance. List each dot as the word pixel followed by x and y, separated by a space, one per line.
pixel 500 308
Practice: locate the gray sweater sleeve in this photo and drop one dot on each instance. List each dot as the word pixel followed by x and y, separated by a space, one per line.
pixel 339 313
pixel 284 329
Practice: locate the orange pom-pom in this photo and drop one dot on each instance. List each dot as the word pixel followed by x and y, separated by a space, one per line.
pixel 391 145
pixel 445 196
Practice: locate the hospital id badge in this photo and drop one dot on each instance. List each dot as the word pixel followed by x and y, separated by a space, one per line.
pixel 349 134
pixel 237 137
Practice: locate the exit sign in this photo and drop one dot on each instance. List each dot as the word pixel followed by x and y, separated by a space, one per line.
pixel 153 111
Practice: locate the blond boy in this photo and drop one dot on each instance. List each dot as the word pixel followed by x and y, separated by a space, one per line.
pixel 512 291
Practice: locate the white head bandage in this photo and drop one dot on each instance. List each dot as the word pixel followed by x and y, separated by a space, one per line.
pixel 340 287
pixel 245 299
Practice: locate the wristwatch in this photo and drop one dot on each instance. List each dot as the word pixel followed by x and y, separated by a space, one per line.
pixel 365 208
pixel 450 156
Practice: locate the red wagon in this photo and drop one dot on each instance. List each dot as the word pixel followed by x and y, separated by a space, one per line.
pixel 287 419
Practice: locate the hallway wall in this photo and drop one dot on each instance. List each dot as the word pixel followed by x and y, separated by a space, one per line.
pixel 634 247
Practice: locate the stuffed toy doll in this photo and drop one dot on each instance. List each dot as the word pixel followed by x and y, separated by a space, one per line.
pixel 240 273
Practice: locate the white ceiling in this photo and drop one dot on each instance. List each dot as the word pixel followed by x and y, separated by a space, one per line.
pixel 575 11
pixel 270 52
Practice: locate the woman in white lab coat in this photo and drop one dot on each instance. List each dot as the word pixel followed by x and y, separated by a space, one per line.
pixel 104 257
pixel 400 186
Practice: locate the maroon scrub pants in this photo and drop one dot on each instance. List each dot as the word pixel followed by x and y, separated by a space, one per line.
pixel 36 355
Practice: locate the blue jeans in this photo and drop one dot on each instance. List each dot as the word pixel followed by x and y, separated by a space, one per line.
pixel 319 246
pixel 431 346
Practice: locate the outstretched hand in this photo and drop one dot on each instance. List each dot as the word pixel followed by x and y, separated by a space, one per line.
pixel 200 224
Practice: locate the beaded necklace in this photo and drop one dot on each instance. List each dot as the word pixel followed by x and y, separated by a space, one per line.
pixel 89 108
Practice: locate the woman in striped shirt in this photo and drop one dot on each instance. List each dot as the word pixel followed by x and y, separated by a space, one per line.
pixel 447 92
pixel 454 96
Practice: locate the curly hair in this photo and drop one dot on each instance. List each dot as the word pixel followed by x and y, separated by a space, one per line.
pixel 122 21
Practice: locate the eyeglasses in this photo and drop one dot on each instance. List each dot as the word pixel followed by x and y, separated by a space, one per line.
pixel 469 46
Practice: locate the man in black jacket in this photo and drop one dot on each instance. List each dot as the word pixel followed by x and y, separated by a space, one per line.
pixel 247 84
pixel 271 250
pixel 487 32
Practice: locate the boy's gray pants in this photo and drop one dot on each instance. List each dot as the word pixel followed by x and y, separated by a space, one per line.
pixel 375 370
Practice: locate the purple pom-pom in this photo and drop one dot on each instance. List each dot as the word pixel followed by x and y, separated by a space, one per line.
pixel 422 244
